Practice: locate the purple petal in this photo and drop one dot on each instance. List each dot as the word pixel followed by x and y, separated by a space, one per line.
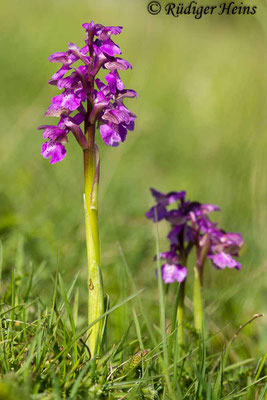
pixel 70 82
pixel 78 118
pixel 208 208
pixel 110 135
pixel 130 126
pixel 168 198
pixel 75 80
pixel 114 82
pixel 174 233
pixel 176 217
pixel 104 32
pixel 89 26
pixel 191 207
pixel 79 53
pixel 67 100
pixel 122 132
pixel 113 134
pixel 206 226
pixel 63 57
pixel 233 242
pixel 130 93
pixel 190 235
pixel 110 48
pixel 173 272
pixel 223 260
pixel 59 56
pixel 118 63
pixel 52 132
pixel 80 94
pixel 157 213
pixel 53 111
pixel 99 55
pixel 159 197
pixel 54 150
pixel 100 103
pixel 229 243
pixel 100 84
pixel 170 255
pixel 111 116
pixel 117 116
pixel 58 75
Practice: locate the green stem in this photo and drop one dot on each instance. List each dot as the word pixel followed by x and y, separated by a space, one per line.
pixel 180 315
pixel 198 300
pixel 174 320
pixel 95 284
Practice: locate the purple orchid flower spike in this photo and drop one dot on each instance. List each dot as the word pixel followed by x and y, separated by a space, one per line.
pixel 190 227
pixel 85 99
pixel 80 85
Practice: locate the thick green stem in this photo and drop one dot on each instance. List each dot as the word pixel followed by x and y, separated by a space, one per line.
pixel 198 300
pixel 180 315
pixel 95 284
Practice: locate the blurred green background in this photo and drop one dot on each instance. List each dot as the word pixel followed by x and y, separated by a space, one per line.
pixel 201 127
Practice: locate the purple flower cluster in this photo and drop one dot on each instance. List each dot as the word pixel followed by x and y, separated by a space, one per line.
pixel 80 87
pixel 191 227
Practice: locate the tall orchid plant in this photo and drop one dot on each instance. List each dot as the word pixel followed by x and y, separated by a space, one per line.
pixel 87 100
pixel 191 228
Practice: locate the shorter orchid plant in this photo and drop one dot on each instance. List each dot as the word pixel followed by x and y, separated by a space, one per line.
pixel 88 100
pixel 191 228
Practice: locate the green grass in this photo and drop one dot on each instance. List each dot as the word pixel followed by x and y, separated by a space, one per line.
pixel 43 353
pixel 201 127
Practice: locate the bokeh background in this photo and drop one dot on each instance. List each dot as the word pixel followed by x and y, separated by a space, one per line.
pixel 201 127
